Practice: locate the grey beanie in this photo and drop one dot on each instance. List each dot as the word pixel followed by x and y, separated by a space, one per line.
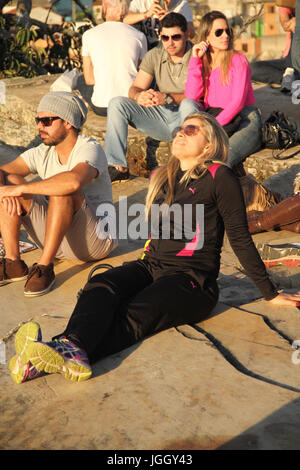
pixel 65 105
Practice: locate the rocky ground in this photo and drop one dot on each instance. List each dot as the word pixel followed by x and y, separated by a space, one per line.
pixel 229 382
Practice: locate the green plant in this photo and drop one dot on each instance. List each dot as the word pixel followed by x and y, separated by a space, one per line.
pixel 18 56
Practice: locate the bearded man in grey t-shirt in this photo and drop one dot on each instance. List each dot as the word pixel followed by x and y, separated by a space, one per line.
pixel 59 211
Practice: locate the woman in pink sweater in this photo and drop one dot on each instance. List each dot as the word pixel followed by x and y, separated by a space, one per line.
pixel 220 78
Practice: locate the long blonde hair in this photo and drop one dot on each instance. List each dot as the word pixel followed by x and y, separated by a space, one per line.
pixel 166 175
pixel 204 30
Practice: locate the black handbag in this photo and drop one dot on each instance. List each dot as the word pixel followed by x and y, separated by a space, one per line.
pixel 279 133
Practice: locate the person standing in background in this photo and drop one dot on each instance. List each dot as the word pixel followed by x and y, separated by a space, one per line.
pixel 111 54
pixel 146 15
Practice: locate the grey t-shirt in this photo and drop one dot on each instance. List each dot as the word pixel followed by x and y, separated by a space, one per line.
pixel 170 77
pixel 43 161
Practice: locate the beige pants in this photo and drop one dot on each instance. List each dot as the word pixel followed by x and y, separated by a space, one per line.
pixel 81 242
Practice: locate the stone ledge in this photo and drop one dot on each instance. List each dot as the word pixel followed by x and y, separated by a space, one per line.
pixel 17 126
pixel 263 165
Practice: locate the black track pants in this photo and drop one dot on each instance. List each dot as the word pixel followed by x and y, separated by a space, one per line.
pixel 120 307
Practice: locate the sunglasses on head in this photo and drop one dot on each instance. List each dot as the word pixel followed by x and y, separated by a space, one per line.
pixel 174 37
pixel 190 130
pixel 46 121
pixel 220 31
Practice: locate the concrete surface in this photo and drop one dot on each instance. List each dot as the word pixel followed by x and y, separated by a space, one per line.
pixel 228 382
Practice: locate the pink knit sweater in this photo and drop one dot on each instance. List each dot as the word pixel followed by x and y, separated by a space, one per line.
pixel 232 97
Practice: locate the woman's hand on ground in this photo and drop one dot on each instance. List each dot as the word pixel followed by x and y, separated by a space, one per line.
pixel 286 299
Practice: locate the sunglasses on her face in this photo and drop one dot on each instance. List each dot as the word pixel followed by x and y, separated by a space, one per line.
pixel 220 31
pixel 190 130
pixel 46 121
pixel 174 37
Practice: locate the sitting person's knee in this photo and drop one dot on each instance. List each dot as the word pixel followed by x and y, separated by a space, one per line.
pixel 14 179
pixel 116 103
pixel 190 105
pixel 73 200
pixel 251 115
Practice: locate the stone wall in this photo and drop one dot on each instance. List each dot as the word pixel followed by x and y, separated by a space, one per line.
pixel 17 129
pixel 262 164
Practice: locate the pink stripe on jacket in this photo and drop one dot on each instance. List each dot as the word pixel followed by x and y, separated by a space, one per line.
pixel 232 97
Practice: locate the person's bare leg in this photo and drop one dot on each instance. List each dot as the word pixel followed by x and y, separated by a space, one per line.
pixel 60 212
pixel 10 224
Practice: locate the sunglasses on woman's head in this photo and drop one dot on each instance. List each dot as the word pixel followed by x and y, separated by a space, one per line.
pixel 174 37
pixel 190 130
pixel 220 31
pixel 46 121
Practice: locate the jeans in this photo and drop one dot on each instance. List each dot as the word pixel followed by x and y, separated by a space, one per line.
pixel 296 43
pixel 157 122
pixel 247 139
pixel 270 71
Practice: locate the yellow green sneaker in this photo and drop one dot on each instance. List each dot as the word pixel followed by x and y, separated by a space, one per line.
pixel 60 356
pixel 20 365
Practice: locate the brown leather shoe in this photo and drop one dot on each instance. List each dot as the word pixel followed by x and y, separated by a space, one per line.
pixel 253 219
pixel 283 216
pixel 283 213
pixel 12 270
pixel 295 227
pixel 40 280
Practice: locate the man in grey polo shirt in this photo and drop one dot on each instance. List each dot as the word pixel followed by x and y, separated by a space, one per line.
pixel 154 112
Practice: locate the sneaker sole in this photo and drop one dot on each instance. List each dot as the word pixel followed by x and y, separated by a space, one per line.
pixel 47 359
pixel 26 334
pixel 285 254
pixel 14 279
pixel 22 372
pixel 16 369
pixel 41 292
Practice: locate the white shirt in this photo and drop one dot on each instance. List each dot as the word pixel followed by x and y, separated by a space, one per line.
pixel 115 49
pixel 44 162
pixel 151 24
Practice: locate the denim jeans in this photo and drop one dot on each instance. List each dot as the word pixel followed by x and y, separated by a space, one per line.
pixel 296 43
pixel 247 139
pixel 157 122
pixel 270 71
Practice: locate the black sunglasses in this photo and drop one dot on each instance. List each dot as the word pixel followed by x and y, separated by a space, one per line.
pixel 46 121
pixel 174 37
pixel 220 31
